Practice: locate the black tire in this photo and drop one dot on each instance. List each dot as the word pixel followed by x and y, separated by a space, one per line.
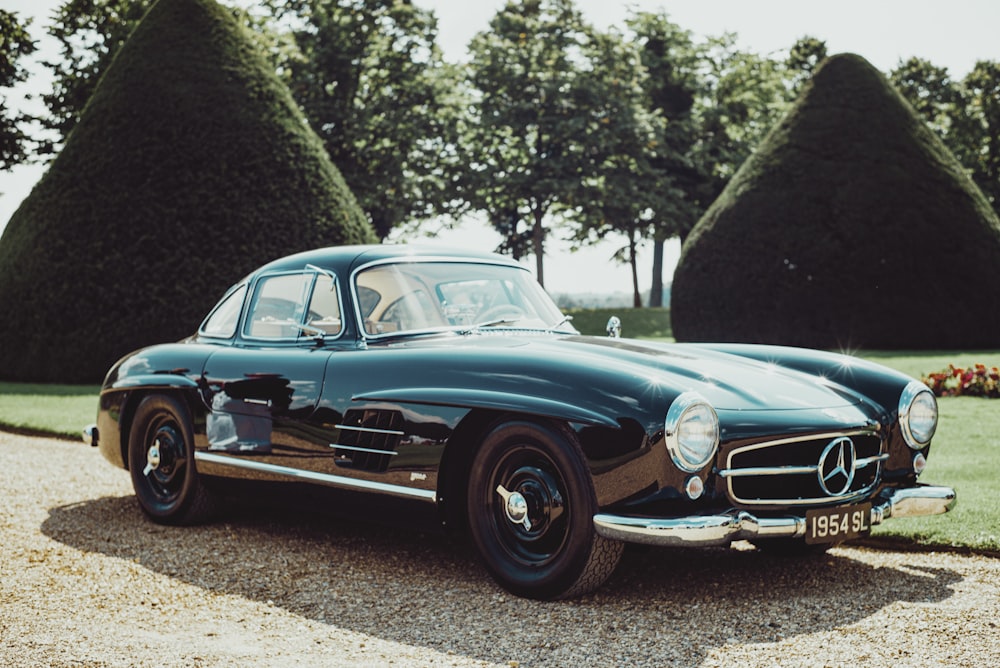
pixel 161 462
pixel 557 552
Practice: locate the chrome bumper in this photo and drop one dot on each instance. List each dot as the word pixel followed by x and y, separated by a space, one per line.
pixel 724 528
pixel 90 436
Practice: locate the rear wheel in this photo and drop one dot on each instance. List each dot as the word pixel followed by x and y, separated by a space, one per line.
pixel 531 508
pixel 161 462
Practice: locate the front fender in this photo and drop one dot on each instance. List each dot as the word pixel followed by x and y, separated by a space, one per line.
pixel 492 400
pixel 872 381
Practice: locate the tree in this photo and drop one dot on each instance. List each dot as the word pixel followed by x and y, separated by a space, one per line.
pixel 745 94
pixel 367 73
pixel 90 33
pixel 931 92
pixel 372 82
pixel 964 114
pixel 675 78
pixel 977 127
pixel 523 142
pixel 189 166
pixel 622 190
pixel 15 44
pixel 803 58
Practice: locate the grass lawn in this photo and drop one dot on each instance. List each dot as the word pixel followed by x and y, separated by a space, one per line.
pixel 59 410
pixel 965 454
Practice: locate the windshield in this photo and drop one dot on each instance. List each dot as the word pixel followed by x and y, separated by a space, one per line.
pixel 409 297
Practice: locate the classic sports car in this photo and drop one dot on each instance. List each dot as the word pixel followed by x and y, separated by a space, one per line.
pixel 452 386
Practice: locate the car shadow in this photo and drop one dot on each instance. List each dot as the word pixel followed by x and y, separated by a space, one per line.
pixel 669 605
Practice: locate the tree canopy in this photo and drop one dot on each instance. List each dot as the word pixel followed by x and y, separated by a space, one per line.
pixel 523 145
pixel 15 45
pixel 852 225
pixel 514 132
pixel 370 78
pixel 189 166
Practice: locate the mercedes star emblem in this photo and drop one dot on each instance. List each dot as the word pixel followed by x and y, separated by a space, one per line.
pixel 836 466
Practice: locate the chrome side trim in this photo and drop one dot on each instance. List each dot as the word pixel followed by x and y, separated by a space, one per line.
pixel 369 430
pixel 724 528
pixel 312 476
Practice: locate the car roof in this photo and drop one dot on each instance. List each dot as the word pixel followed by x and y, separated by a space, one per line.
pixel 344 259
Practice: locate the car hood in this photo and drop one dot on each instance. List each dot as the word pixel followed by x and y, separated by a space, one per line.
pixel 728 382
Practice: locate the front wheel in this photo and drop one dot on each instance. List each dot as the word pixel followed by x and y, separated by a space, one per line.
pixel 531 507
pixel 161 462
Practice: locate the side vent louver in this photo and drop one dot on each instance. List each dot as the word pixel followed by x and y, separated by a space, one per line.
pixel 368 439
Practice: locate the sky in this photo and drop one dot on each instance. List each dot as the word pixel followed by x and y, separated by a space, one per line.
pixel 953 35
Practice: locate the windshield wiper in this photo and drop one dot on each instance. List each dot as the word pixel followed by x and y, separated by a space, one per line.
pixel 553 328
pixel 489 323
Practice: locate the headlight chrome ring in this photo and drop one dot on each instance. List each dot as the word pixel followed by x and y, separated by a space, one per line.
pixel 918 415
pixel 691 431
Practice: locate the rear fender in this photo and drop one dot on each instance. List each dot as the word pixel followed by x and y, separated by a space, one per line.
pixel 119 404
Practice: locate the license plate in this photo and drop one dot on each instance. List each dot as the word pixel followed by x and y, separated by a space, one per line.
pixel 832 525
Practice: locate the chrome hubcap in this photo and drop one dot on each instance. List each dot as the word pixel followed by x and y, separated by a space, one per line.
pixel 515 507
pixel 152 458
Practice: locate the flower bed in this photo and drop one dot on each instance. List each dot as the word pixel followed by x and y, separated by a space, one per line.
pixel 975 381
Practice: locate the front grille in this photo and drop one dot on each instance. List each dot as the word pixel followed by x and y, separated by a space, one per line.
pixel 817 469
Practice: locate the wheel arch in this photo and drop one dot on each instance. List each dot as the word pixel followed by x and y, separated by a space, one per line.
pixel 187 392
pixel 464 443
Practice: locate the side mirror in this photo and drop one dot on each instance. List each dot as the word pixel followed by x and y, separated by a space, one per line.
pixel 614 327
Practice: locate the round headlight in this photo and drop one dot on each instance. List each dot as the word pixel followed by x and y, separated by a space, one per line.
pixel 918 415
pixel 692 432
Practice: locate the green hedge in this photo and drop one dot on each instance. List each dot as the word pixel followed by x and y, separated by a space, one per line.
pixel 636 322
pixel 851 226
pixel 190 166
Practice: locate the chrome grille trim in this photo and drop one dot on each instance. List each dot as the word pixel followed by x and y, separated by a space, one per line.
pixel 766 470
pixel 733 474
pixel 861 463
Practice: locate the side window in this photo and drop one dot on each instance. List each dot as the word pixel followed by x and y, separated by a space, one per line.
pixel 278 306
pixel 223 320
pixel 324 307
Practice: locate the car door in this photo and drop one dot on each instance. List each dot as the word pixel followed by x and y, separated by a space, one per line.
pixel 263 390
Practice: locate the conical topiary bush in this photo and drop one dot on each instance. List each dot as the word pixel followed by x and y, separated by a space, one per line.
pixel 190 166
pixel 852 225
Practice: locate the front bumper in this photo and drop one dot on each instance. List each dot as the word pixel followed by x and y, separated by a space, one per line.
pixel 724 528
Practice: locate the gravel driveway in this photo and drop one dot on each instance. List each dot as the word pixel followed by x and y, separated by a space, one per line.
pixel 85 580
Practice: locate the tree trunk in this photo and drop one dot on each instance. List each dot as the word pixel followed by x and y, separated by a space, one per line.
pixel 538 242
pixel 656 285
pixel 636 297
